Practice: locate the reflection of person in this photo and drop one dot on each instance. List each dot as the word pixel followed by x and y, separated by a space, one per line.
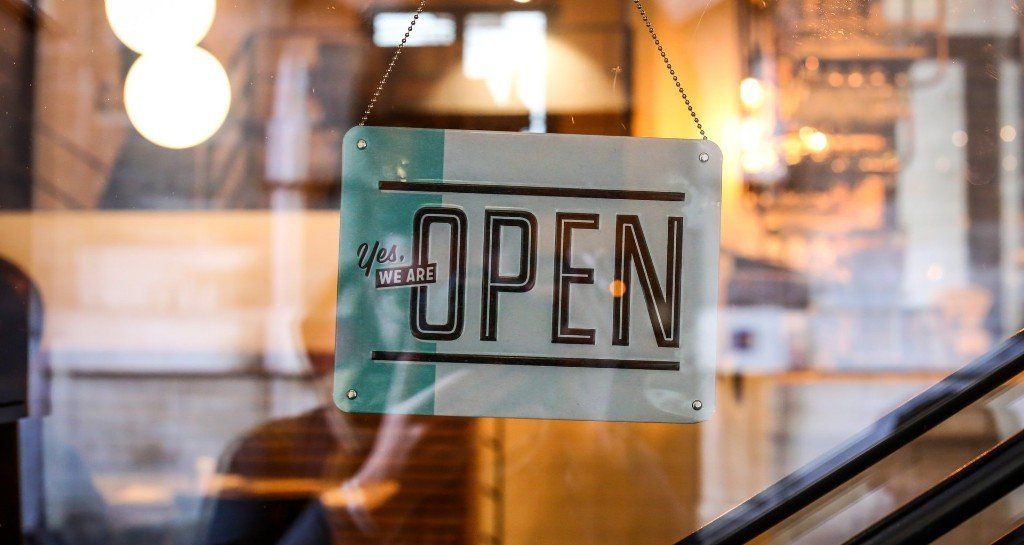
pixel 16 293
pixel 79 514
pixel 328 477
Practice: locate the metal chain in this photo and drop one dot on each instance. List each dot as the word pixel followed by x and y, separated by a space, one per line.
pixel 639 8
pixel 671 71
pixel 391 64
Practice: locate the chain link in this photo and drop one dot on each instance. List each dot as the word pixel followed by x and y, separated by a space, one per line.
pixel 671 71
pixel 391 64
pixel 639 8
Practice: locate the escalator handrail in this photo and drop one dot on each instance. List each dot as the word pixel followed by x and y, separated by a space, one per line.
pixel 810 483
pixel 952 501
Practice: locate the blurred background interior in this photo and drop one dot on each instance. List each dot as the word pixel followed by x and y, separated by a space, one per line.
pixel 186 256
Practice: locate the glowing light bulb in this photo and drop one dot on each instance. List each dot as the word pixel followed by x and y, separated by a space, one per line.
pixel 818 142
pixel 813 140
pixel 149 26
pixel 177 99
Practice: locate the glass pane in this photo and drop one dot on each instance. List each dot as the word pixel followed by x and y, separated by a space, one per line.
pixel 170 180
pixel 913 470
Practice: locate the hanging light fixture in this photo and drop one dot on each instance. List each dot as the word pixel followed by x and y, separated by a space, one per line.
pixel 148 26
pixel 176 94
pixel 177 99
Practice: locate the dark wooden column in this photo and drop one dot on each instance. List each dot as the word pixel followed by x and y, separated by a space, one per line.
pixel 17 57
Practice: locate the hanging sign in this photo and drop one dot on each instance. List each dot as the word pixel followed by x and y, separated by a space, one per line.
pixel 528 275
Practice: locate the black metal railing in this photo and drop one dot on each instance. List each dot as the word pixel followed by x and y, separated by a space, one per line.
pixel 1013 537
pixel 814 481
pixel 949 503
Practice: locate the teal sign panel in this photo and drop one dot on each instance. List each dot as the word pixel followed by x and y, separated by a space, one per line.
pixel 528 275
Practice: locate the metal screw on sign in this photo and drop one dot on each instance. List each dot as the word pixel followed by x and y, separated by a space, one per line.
pixel 361 144
pixel 697 405
pixel 704 157
pixel 352 394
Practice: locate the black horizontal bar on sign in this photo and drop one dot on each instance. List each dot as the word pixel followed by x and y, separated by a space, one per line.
pixel 814 481
pixel 532 191
pixel 493 359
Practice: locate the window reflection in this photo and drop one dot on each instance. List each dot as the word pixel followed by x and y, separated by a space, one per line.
pixel 432 29
pixel 871 243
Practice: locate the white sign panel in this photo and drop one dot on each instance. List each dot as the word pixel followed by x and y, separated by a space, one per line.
pixel 528 275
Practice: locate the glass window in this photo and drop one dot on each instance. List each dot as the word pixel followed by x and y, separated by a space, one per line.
pixel 170 179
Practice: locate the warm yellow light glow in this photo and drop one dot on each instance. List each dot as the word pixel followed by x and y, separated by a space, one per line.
pixel 814 140
pixel 818 142
pixel 759 160
pixel 148 26
pixel 758 156
pixel 752 93
pixel 793 150
pixel 752 132
pixel 177 99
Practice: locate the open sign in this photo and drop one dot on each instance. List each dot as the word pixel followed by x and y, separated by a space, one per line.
pixel 524 275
